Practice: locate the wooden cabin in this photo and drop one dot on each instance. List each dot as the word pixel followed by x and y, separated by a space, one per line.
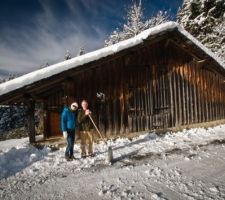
pixel 161 78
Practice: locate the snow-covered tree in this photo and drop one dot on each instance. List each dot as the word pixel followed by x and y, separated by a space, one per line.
pixel 81 51
pixel 205 19
pixel 135 24
pixel 2 80
pixel 9 77
pixel 11 117
pixel 68 55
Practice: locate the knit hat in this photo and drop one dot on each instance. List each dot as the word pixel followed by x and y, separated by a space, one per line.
pixel 74 105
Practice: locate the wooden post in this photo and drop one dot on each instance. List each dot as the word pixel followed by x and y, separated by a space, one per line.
pixel 30 119
pixel 45 109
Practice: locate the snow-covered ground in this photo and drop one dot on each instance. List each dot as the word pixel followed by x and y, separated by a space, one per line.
pixel 184 165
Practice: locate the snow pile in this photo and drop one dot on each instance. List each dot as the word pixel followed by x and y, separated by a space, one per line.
pixel 96 55
pixel 17 158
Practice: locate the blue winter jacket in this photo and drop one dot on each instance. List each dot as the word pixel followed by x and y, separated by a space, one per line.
pixel 68 120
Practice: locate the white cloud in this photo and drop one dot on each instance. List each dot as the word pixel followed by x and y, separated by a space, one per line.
pixel 24 49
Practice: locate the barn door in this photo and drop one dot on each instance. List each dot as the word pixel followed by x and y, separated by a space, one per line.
pixel 161 98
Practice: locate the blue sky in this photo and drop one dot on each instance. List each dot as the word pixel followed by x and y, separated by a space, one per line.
pixel 34 32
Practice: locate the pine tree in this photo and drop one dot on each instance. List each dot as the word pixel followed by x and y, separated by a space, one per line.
pixel 11 76
pixel 2 80
pixel 67 55
pixel 81 51
pixel 205 19
pixel 11 117
pixel 135 24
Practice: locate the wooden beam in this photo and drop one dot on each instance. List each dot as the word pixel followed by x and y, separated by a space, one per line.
pixel 184 48
pixel 30 119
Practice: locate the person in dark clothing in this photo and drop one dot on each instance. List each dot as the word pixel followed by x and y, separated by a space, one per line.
pixel 86 129
pixel 68 126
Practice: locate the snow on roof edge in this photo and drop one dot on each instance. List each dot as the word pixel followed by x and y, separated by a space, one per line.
pixel 57 68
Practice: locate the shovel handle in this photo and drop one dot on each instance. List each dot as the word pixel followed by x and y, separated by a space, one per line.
pixel 96 128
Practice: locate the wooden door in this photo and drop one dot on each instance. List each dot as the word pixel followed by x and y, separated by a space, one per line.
pixel 54 124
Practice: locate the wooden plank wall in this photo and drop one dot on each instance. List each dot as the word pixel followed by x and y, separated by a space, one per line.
pixel 198 92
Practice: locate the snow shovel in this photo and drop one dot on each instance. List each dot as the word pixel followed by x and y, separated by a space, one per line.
pixel 110 152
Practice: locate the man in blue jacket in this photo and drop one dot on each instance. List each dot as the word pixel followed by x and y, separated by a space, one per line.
pixel 68 126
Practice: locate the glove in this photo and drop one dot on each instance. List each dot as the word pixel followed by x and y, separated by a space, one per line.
pixel 65 134
pixel 87 112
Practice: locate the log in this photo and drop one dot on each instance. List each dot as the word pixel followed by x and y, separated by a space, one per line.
pixel 30 119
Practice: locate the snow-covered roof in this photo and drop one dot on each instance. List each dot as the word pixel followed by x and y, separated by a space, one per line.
pixel 49 71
